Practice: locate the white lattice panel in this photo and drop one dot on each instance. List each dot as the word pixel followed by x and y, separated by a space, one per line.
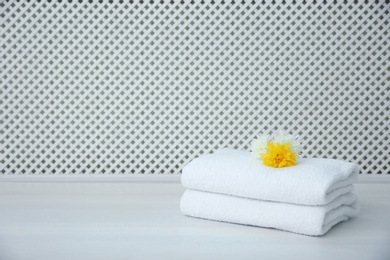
pixel 142 87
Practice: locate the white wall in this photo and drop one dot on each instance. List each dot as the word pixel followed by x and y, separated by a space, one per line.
pixel 143 88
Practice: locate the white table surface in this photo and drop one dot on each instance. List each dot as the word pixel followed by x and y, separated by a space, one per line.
pixel 143 221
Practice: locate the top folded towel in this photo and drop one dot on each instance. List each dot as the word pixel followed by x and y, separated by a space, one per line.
pixel 313 181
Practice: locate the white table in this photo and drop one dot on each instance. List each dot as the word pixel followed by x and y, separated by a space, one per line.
pixel 143 221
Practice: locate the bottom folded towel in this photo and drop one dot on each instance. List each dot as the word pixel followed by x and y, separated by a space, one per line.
pixel 307 220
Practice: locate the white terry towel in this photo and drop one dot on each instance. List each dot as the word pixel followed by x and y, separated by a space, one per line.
pixel 311 182
pixel 307 220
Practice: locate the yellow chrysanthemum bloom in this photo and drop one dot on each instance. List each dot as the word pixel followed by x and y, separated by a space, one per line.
pixel 279 155
pixel 279 150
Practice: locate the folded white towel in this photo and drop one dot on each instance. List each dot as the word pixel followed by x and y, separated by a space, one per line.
pixel 311 182
pixel 307 220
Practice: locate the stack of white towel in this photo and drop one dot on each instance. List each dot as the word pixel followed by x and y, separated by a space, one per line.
pixel 308 198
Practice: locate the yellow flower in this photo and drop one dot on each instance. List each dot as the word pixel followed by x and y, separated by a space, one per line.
pixel 277 150
pixel 279 155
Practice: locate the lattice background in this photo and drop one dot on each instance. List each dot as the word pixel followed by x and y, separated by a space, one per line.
pixel 142 87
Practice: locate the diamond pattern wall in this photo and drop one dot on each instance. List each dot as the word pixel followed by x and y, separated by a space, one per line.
pixel 142 87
